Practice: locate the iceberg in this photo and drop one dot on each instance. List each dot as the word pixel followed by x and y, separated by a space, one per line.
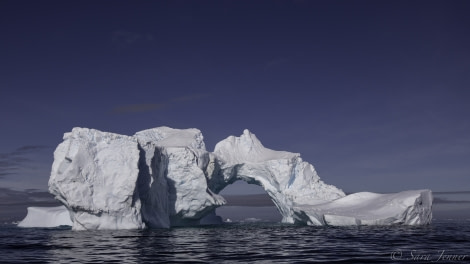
pixel 366 208
pixel 164 177
pixel 46 217
pixel 94 175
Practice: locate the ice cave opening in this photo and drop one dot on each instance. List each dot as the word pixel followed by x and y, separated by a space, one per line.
pixel 247 202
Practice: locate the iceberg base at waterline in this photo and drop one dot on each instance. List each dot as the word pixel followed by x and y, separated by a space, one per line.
pixel 366 208
pixel 165 177
pixel 46 217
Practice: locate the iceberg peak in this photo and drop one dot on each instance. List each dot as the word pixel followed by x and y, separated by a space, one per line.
pixel 247 148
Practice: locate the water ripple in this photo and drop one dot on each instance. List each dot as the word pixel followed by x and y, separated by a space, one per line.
pixel 239 243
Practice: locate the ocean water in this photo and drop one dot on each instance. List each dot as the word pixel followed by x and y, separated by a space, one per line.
pixel 446 241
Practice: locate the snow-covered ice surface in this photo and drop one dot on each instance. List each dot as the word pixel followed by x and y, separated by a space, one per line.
pixel 164 177
pixel 366 208
pixel 46 217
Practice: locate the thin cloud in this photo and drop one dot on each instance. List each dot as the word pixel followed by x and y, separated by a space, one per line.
pixel 251 200
pixel 5 162
pixel 138 108
pixel 457 192
pixel 30 148
pixel 446 201
pixel 3 174
pixel 13 203
pixel 12 161
pixel 22 150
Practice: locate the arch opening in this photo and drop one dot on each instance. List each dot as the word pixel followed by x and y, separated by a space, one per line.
pixel 247 202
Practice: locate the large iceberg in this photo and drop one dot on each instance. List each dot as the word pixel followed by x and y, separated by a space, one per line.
pixel 165 177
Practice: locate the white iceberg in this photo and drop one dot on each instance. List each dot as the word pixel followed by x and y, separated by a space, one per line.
pixel 164 177
pixel 46 217
pixel 155 178
pixel 94 175
pixel 366 208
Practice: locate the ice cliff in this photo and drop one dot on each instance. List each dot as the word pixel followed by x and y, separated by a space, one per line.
pixel 164 177
pixel 95 175
pixel 155 178
pixel 181 164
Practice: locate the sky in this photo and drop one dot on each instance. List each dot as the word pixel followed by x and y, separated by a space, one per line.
pixel 375 94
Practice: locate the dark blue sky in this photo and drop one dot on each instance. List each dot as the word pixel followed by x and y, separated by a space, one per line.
pixel 375 94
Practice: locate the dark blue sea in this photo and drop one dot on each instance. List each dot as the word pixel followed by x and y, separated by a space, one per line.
pixel 446 241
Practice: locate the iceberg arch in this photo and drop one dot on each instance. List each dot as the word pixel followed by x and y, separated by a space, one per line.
pixel 165 177
pixel 285 177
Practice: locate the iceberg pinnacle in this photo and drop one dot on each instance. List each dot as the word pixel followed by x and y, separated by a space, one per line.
pixel 163 177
